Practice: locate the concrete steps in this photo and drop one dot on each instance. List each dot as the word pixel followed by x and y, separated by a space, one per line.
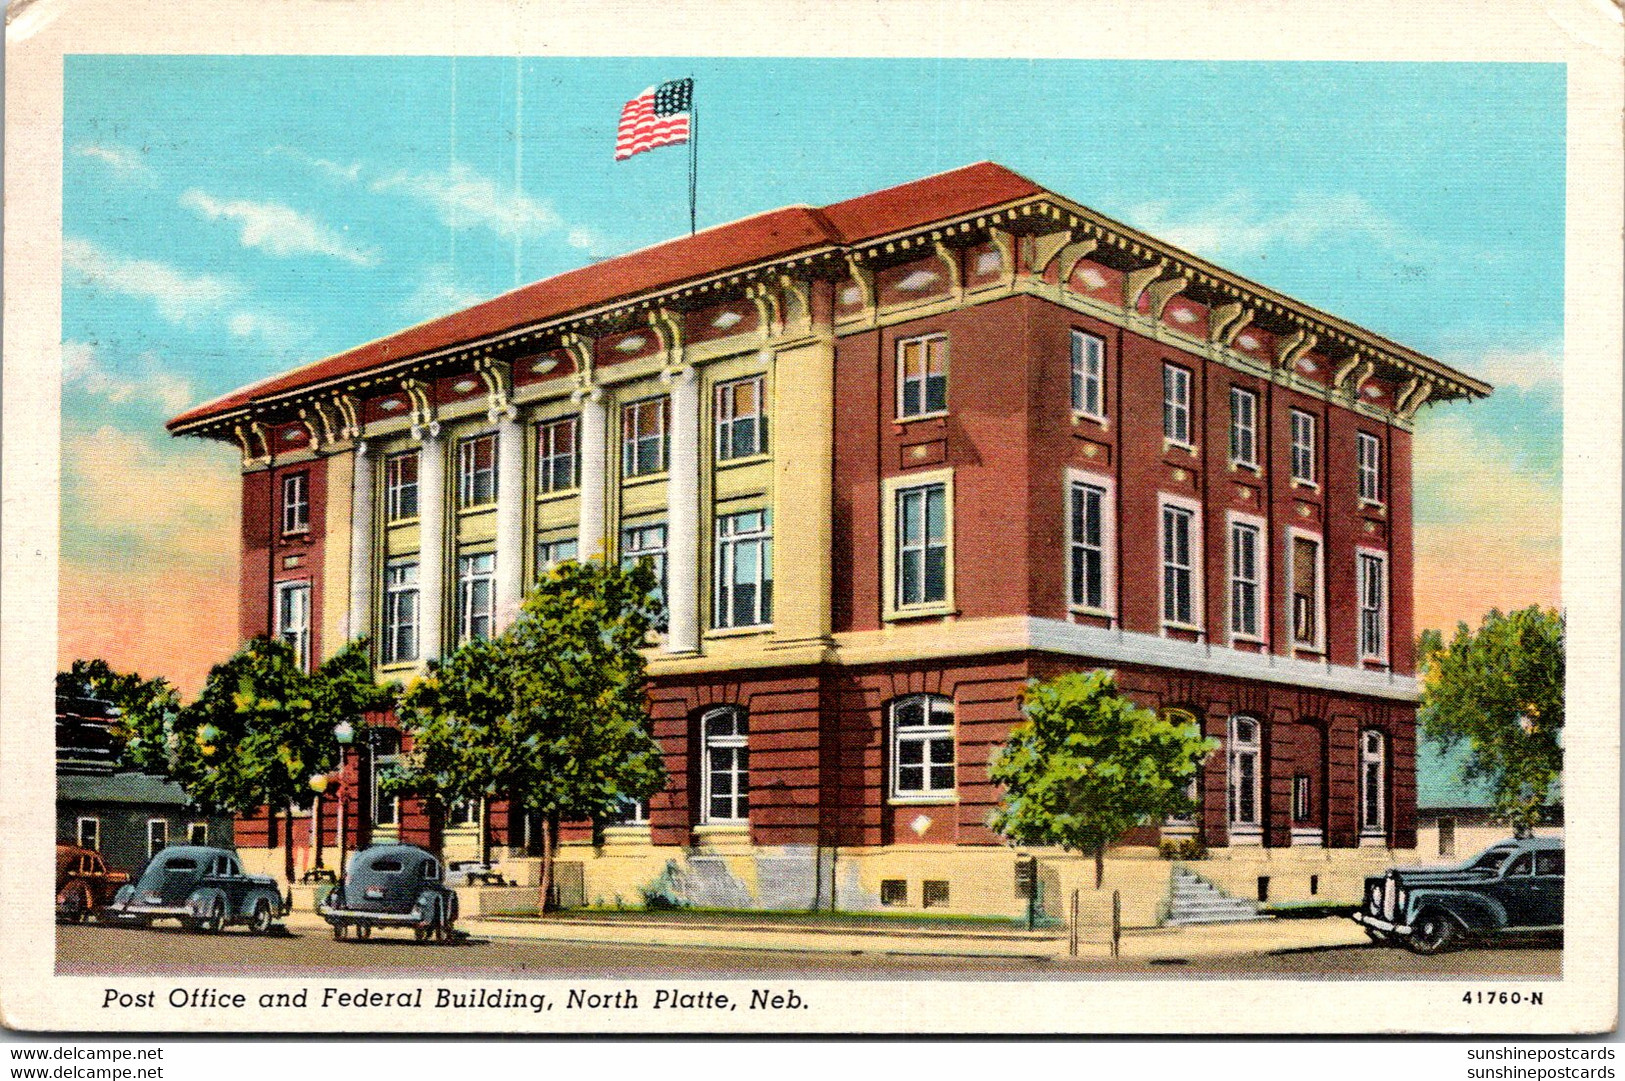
pixel 1195 900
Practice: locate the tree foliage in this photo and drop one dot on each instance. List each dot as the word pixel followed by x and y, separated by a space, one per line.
pixel 1086 765
pixel 1500 690
pixel 147 708
pixel 551 712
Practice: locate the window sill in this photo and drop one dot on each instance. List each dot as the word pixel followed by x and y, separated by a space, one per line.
pixel 477 508
pixel 922 801
pixel 1306 485
pixel 739 632
pixel 1374 506
pixel 902 422
pixel 1086 610
pixel 1244 467
pixel 723 829
pixel 626 833
pixel 903 615
pixel 1079 416
pixel 644 478
pixel 1190 628
pixel 558 495
pixel 1174 444
pixel 745 460
pixel 394 523
pixel 399 666
pixel 1249 639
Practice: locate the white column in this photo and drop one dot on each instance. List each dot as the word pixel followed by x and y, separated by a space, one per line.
pixel 361 515
pixel 510 561
pixel 594 450
pixel 683 517
pixel 432 546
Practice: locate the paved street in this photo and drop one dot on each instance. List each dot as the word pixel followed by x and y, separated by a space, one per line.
pixel 308 950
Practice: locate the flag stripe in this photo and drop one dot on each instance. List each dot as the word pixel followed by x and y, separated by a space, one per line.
pixel 642 129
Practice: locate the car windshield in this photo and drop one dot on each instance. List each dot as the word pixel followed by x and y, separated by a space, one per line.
pixel 180 865
pixel 388 866
pixel 1490 860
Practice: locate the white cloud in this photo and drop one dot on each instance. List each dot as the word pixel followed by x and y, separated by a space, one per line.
pixel 464 197
pixel 179 296
pixel 437 295
pixel 82 367
pixel 1536 368
pixel 1235 228
pixel 120 159
pixel 277 229
pixel 350 173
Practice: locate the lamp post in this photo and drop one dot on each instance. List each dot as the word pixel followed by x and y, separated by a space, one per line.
pixel 318 785
pixel 344 733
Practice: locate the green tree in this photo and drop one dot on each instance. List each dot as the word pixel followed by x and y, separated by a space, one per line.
pixel 147 709
pixel 1086 765
pixel 1500 689
pixel 551 712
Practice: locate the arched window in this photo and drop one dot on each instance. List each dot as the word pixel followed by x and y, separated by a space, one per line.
pixel 727 765
pixel 1243 784
pixel 1184 825
pixel 922 747
pixel 1373 787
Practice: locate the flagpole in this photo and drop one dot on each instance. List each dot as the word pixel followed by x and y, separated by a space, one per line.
pixel 693 155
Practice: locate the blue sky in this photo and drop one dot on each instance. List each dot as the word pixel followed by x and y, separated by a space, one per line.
pixel 227 218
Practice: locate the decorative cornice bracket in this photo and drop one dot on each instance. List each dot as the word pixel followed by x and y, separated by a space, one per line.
pixel 1045 247
pixel 1073 254
pixel 865 279
pixel 1135 283
pixel 1228 321
pixel 1163 290
pixel 956 273
pixel 424 424
pixel 498 377
pixel 580 349
pixel 1291 349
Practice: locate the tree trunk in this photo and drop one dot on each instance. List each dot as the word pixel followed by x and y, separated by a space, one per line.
pixel 1100 865
pixel 485 830
pixel 287 841
pixel 550 842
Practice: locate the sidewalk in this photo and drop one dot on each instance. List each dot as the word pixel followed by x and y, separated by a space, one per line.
pixel 1209 940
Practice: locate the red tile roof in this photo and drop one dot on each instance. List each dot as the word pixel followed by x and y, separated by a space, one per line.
pixel 760 238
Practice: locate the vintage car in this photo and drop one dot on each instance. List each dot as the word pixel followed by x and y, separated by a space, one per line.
pixel 392 885
pixel 205 889
pixel 1515 886
pixel 84 884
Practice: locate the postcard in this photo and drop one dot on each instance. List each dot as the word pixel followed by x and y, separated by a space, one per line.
pixel 846 518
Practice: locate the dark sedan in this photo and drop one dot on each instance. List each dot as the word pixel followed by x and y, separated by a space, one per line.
pixel 206 889
pixel 392 886
pixel 1515 886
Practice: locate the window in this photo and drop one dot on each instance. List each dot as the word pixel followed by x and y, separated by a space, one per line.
pixel 1185 822
pixel 463 812
pixel 1176 404
pixel 1549 862
pixel 477 471
pixel 727 765
pixel 197 833
pixel 1447 836
pixel 647 542
pixel 1088 374
pixel 1243 427
pixel 557 468
pixel 400 612
pixel 1305 552
pixel 894 891
pixel 934 893
pixel 922 545
pixel 643 437
pixel 157 836
pixel 1243 779
pixel 476 595
pixel 90 833
pixel 401 486
pixel 1373 585
pixel 296 503
pixel 293 619
pixel 1369 462
pixel 922 376
pixel 922 737
pixel 1088 544
pixel 386 745
pixel 632 812
pixel 1245 579
pixel 1179 586
pixel 1303 806
pixel 1373 766
pixel 741 419
pixel 1303 446
pixel 550 553
pixel 744 569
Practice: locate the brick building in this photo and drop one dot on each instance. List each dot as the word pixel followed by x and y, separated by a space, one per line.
pixel 893 457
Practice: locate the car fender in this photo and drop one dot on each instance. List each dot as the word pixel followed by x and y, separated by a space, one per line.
pixel 257 894
pixel 1473 911
pixel 201 899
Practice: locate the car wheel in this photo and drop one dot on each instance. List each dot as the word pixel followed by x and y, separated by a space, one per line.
pixel 260 922
pixel 448 918
pixel 1433 932
pixel 75 904
pixel 215 921
pixel 338 932
pixel 363 931
pixel 430 927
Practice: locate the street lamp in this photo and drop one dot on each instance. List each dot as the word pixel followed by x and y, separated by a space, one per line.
pixel 344 733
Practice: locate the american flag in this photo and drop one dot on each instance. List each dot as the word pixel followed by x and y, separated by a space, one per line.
pixel 656 117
